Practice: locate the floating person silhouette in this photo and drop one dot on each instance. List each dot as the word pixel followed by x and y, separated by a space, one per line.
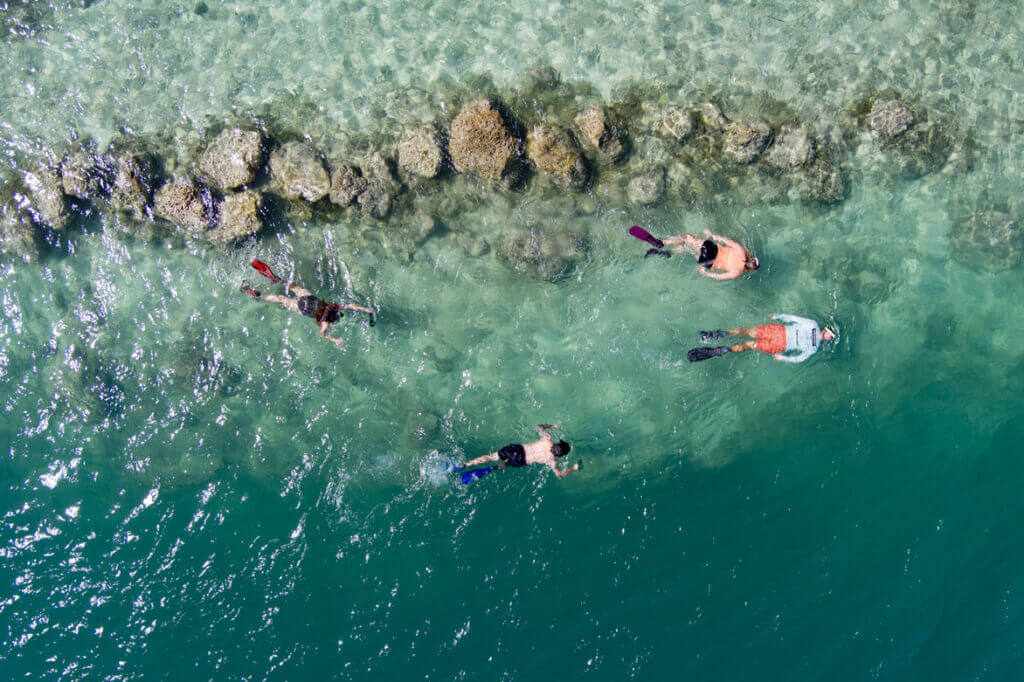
pixel 794 340
pixel 715 252
pixel 303 302
pixel 544 451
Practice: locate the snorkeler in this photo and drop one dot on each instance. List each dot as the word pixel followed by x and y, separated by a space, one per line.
pixel 793 334
pixel 714 252
pixel 303 302
pixel 544 451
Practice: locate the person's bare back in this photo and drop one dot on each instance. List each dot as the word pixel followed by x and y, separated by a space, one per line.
pixel 715 253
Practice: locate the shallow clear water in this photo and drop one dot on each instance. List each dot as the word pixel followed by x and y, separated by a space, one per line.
pixel 197 487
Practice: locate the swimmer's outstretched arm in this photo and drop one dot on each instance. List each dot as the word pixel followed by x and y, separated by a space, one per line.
pixel 542 431
pixel 562 473
pixel 717 275
pixel 323 333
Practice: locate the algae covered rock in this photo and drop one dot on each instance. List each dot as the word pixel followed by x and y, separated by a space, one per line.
pixel 541 253
pixel 710 116
pixel 889 118
pixel 19 237
pixel 555 152
pixel 822 181
pixel 675 122
pixel 232 158
pixel 347 183
pixel 48 199
pixel 601 135
pixel 381 186
pixel 646 189
pixel 481 142
pixel 297 172
pixel 743 141
pixel 419 152
pixel 923 149
pixel 991 238
pixel 792 148
pixel 132 185
pixel 239 217
pixel 185 204
pixel 83 174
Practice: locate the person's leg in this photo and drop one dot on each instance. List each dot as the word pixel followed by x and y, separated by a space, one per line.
pixel 299 291
pixel 286 302
pixel 483 459
pixel 740 347
pixel 743 331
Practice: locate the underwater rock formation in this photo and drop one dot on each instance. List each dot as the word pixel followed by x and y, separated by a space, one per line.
pixel 381 186
pixel 420 152
pixel 675 122
pixel 646 189
pixel 990 237
pixel 132 186
pixel 792 148
pixel 555 152
pixel 185 204
pixel 540 253
pixel 48 199
pixel 232 158
pixel 889 118
pixel 83 174
pixel 600 134
pixel 239 217
pixel 18 235
pixel 297 172
pixel 346 184
pixel 480 142
pixel 743 141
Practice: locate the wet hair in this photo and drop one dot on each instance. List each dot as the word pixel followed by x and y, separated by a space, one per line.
pixel 560 449
pixel 752 264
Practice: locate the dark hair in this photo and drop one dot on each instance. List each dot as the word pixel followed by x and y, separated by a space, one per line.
pixel 560 449
pixel 752 264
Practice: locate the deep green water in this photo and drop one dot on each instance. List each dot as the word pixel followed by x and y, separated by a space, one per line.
pixel 196 487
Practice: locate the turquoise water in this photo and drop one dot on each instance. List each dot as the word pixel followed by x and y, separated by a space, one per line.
pixel 197 487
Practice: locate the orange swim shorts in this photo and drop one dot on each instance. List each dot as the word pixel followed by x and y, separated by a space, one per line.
pixel 771 338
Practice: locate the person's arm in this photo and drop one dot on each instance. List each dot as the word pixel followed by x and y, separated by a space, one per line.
pixel 323 333
pixel 562 473
pixel 720 276
pixel 542 431
pixel 483 459
pixel 787 319
pixel 799 357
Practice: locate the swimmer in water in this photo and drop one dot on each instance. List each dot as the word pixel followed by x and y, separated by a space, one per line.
pixel 303 302
pixel 713 253
pixel 791 339
pixel 544 451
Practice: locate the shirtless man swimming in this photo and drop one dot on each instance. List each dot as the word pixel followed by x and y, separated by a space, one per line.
pixel 715 252
pixel 791 339
pixel 544 451
pixel 303 302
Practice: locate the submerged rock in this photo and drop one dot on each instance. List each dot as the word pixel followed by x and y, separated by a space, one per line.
pixel 555 152
pixel 381 187
pixel 18 235
pixel 822 181
pixel 889 118
pixel 792 148
pixel 346 184
pixel 480 142
pixel 541 253
pixel 923 149
pixel 185 204
pixel 83 174
pixel 743 141
pixel 297 172
pixel 990 238
pixel 675 122
pixel 233 158
pixel 601 135
pixel 648 188
pixel 420 153
pixel 239 217
pixel 710 116
pixel 48 200
pixel 132 185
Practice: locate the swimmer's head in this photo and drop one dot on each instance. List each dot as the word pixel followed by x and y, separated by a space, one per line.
pixel 560 449
pixel 751 264
pixel 828 334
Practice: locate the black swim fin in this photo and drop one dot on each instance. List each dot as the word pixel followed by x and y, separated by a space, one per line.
pixel 706 337
pixel 657 252
pixel 698 354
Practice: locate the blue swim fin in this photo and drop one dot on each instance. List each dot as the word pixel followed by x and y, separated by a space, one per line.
pixel 467 477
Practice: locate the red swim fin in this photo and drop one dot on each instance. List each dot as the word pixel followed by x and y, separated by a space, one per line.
pixel 265 270
pixel 641 233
